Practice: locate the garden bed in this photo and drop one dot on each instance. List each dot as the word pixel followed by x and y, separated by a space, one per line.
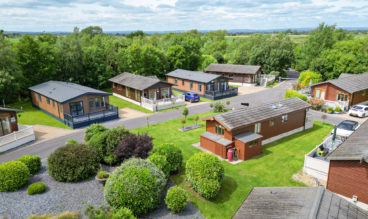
pixel 190 127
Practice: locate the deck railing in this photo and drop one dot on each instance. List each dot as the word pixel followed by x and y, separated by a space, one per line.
pixel 109 113
pixel 165 103
pixel 231 91
pixel 23 132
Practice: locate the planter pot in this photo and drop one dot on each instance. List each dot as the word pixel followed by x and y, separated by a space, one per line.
pixel 102 181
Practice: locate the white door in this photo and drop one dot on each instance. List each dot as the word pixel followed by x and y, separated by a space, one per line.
pixel 322 94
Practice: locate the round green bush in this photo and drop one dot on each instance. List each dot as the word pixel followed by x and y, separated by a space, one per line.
pixel 106 142
pixel 13 175
pixel 205 171
pixel 102 174
pixel 124 213
pixel 140 189
pixel 36 188
pixel 172 153
pixel 161 162
pixel 176 199
pixel 92 130
pixel 33 163
pixel 73 162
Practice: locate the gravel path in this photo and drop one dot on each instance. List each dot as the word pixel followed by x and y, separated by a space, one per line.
pixel 60 197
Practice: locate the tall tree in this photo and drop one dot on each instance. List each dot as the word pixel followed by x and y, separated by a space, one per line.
pixel 177 58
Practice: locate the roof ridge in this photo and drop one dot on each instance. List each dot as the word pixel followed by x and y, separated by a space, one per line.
pixel 316 203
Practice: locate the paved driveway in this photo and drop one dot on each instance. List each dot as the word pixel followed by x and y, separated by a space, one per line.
pixel 44 148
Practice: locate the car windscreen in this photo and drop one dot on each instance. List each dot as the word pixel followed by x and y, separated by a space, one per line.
pixel 357 107
pixel 346 126
pixel 195 95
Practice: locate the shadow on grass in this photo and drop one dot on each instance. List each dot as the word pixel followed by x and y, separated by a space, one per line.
pixel 229 185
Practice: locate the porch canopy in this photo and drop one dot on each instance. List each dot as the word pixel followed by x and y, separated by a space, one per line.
pixel 248 137
pixel 217 139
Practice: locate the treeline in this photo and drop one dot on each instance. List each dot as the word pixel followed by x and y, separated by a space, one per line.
pixel 90 57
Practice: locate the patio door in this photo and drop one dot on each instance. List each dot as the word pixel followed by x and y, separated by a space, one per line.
pixel 5 126
pixel 322 94
pixel 76 109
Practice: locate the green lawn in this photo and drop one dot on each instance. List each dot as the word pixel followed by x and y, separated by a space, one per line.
pixel 33 116
pixel 275 167
pixel 120 103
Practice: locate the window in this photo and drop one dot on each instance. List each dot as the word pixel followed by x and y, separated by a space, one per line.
pixel 253 143
pixel 39 98
pixel 91 103
pixel 199 87
pixel 152 95
pixel 342 97
pixel 191 85
pixel 53 104
pixel 219 130
pixel 284 118
pixel 346 97
pixel 364 92
pixel 176 81
pixel 257 127
pixel 136 92
pixel 322 95
pixel 60 108
pixel 318 92
pixel 103 103
pixel 48 101
pixel 182 82
pixel 216 129
pixel 126 91
pixel 272 122
pixel 97 103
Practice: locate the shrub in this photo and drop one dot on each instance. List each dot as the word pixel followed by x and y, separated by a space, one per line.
pixel 205 173
pixel 65 215
pixel 73 162
pixel 133 188
pixel 329 109
pixel 306 76
pixel 316 103
pixel 172 153
pixel 134 146
pixel 106 142
pixel 293 93
pixel 33 163
pixel 102 174
pixel 137 184
pixel 71 141
pixel 36 188
pixel 296 86
pixel 337 109
pixel 176 199
pixel 92 130
pixel 161 162
pixel 219 107
pixel 124 213
pixel 13 175
pixel 106 212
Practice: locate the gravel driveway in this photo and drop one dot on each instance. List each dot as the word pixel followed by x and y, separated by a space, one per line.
pixel 60 197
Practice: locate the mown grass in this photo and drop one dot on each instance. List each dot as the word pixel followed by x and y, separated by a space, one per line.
pixel 275 167
pixel 34 116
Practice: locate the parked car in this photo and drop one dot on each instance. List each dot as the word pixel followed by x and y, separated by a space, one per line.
pixel 192 97
pixel 346 128
pixel 359 110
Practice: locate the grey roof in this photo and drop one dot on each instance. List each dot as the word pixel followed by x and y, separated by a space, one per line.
pixel 245 116
pixel 351 84
pixel 238 69
pixel 344 75
pixel 10 110
pixel 216 138
pixel 355 147
pixel 64 91
pixel 193 75
pixel 137 82
pixel 297 202
pixel 248 137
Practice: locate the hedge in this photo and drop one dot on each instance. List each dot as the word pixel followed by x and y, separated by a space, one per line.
pixel 33 163
pixel 161 162
pixel 36 188
pixel 172 153
pixel 73 162
pixel 293 93
pixel 137 184
pixel 205 173
pixel 93 130
pixel 176 199
pixel 13 175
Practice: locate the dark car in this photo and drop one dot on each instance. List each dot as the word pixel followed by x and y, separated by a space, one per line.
pixel 192 97
pixel 346 128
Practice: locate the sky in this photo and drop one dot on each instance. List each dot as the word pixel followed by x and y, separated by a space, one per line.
pixel 164 15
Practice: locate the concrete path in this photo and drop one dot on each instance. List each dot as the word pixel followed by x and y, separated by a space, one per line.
pixel 44 148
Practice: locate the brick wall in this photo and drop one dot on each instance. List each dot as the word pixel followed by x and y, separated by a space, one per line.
pixel 245 152
pixel 349 178
pixel 331 91
pixel 52 108
pixel 359 97
pixel 186 86
pixel 213 147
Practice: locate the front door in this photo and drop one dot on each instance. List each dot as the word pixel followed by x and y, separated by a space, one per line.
pixel 76 108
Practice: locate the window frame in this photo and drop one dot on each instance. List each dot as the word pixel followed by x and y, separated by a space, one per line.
pixel 272 122
pixel 48 100
pixel 284 118
pixel 53 104
pixel 200 87
pixel 97 103
pixel 39 98
pixel 191 85
pixel 91 106
pixel 182 82
pixel 175 81
pixel 257 127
